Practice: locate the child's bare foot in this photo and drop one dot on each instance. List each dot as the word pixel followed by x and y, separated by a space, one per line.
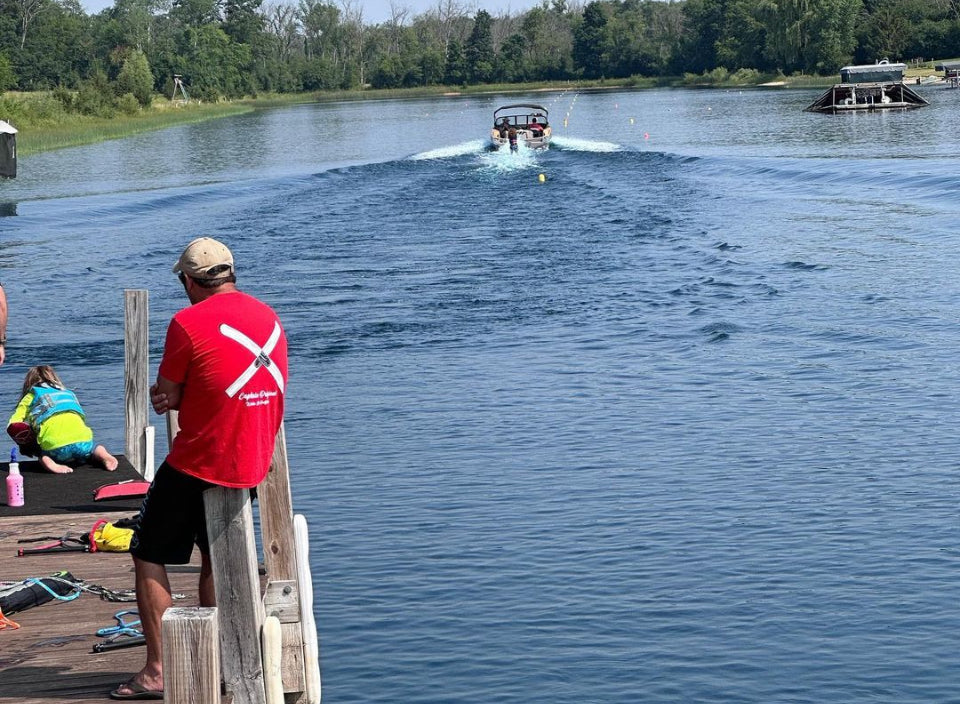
pixel 51 466
pixel 108 461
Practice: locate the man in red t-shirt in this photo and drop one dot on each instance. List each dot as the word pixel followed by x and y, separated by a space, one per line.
pixel 224 368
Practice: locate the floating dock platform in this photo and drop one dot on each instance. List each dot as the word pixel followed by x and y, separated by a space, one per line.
pixel 868 87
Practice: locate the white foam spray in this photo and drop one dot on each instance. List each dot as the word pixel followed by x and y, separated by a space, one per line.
pixel 574 144
pixel 471 147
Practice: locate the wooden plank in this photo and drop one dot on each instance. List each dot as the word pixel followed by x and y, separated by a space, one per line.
pixel 49 659
pixel 280 600
pixel 279 555
pixel 276 515
pixel 233 552
pixel 191 655
pixel 136 374
pixel 292 663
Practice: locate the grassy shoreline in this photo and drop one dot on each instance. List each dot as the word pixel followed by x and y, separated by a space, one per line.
pixel 77 130
pixel 42 131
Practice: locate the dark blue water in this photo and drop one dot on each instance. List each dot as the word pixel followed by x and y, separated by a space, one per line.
pixel 675 424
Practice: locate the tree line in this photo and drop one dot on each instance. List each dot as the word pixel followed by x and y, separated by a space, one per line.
pixel 233 48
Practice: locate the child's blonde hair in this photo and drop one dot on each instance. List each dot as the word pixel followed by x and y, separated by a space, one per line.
pixel 42 374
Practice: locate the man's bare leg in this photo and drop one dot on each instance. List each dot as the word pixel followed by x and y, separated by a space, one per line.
pixel 208 595
pixel 153 598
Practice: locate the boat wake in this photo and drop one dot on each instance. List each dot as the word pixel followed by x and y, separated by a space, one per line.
pixel 506 160
pixel 454 150
pixel 574 144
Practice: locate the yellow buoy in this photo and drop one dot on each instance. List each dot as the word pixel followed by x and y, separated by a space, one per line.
pixel 631 120
pixel 541 178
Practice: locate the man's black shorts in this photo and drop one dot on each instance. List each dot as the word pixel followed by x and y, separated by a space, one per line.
pixel 171 519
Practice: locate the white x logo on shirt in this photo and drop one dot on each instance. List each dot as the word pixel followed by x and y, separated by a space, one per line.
pixel 261 356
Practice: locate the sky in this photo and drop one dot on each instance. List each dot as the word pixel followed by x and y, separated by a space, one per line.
pixel 377 11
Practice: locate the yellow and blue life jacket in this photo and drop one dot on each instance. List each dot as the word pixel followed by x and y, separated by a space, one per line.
pixel 48 402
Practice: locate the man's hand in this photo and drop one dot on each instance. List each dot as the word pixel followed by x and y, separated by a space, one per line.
pixel 165 395
pixel 161 404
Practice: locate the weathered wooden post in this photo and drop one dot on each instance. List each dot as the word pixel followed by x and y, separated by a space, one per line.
pixel 280 560
pixel 173 426
pixel 136 375
pixel 191 655
pixel 233 552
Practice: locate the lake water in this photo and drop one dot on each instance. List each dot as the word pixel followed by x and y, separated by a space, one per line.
pixel 677 423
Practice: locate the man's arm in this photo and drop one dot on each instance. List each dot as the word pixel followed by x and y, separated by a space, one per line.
pixel 165 395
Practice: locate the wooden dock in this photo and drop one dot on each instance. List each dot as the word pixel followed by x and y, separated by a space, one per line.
pixel 258 646
pixel 49 659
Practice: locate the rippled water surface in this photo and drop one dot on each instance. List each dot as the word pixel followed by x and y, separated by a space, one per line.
pixel 676 423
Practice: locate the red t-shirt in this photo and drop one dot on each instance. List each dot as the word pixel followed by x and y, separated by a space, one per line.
pixel 230 353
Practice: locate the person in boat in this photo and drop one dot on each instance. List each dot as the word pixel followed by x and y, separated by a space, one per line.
pixel 49 423
pixel 224 367
pixel 504 128
pixel 535 127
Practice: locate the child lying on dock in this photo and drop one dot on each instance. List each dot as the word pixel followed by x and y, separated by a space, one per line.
pixel 50 424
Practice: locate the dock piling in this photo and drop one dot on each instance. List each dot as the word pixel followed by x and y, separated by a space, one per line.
pixel 233 552
pixel 191 655
pixel 279 558
pixel 136 374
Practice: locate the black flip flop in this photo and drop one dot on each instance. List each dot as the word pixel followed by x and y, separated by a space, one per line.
pixel 137 691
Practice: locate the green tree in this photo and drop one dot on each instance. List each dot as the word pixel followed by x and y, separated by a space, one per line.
pixel 58 49
pixel 388 73
pixel 510 63
pixel 547 44
pixel 321 24
pixel 195 13
pixel 704 21
pixel 8 79
pixel 630 52
pixel 94 96
pixel 135 19
pixel 666 29
pixel 479 52
pixel 135 78
pixel 590 51
pixel 211 63
pixel 455 69
pixel 811 35
pixel 744 37
pixel 242 20
pixel 431 66
pixel 833 28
